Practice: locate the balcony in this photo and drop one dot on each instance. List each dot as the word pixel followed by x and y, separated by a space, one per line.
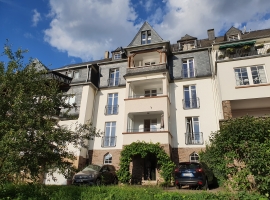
pixel 145 130
pixel 189 73
pixel 144 95
pixel 194 138
pixel 113 82
pixel 108 141
pixel 242 52
pixel 147 68
pixel 191 103
pixel 111 110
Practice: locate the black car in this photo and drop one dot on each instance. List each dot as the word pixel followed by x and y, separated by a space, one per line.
pixel 193 174
pixel 96 175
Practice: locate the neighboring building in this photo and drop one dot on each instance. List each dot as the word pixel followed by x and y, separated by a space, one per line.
pixel 173 94
pixel 242 72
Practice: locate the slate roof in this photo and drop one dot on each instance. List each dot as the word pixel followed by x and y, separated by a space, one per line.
pixel 187 37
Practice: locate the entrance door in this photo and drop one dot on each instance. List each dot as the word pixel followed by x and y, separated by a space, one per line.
pixel 150 165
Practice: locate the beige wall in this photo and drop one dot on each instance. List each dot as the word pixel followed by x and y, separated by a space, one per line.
pixel 160 137
pixel 227 83
pixel 207 116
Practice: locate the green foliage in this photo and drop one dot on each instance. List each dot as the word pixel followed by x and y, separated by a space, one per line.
pixel 143 148
pixel 31 141
pixel 41 192
pixel 268 50
pixel 240 154
pixel 230 50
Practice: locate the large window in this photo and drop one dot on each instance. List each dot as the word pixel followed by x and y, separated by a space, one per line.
pixel 150 93
pixel 188 70
pixel 250 75
pixel 112 104
pixel 109 139
pixel 190 97
pixel 150 125
pixel 193 134
pixel 114 79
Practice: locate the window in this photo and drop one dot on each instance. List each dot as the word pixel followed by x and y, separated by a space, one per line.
pixel 188 70
pixel 250 75
pixel 114 77
pixel 117 56
pixel 150 93
pixel 109 140
pixel 233 37
pixel 146 37
pixel 193 134
pixel 112 104
pixel 194 157
pixel 150 125
pixel 76 75
pixel 70 100
pixel 107 158
pixel 190 98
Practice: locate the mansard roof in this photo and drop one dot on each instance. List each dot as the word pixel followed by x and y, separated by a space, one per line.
pixel 155 38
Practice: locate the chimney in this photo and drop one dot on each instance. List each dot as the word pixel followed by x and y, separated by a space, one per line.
pixel 107 54
pixel 211 34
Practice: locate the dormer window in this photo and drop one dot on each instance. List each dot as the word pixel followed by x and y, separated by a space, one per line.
pixel 233 37
pixel 146 37
pixel 117 56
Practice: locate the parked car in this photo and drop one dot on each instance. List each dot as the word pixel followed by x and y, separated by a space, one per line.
pixel 96 175
pixel 194 174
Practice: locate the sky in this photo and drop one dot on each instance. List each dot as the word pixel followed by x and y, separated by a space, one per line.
pixel 64 32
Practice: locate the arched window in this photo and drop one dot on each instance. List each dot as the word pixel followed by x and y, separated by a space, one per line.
pixel 194 157
pixel 107 158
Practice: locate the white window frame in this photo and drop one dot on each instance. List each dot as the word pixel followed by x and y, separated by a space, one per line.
pixel 147 37
pixel 114 102
pixel 107 158
pixel 190 74
pixel 110 134
pixel 151 92
pixel 193 101
pixel 117 56
pixel 115 80
pixel 196 135
pixel 233 37
pixel 195 156
pixel 249 80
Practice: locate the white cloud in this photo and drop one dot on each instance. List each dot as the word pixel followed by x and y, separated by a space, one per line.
pixel 87 28
pixel 28 35
pixel 36 17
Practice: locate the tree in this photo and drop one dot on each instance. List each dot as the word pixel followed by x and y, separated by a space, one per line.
pixel 31 141
pixel 239 153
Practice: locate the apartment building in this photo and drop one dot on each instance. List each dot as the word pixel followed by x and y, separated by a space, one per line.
pixel 174 94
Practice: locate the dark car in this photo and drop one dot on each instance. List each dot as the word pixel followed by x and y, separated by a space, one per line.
pixel 193 174
pixel 96 175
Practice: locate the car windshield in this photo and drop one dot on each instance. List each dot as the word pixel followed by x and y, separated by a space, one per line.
pixel 189 165
pixel 92 168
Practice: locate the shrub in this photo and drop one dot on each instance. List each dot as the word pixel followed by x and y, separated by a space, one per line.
pixel 239 154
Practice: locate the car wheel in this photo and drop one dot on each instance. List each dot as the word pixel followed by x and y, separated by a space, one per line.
pixel 205 187
pixel 115 181
pixel 178 186
pixel 98 182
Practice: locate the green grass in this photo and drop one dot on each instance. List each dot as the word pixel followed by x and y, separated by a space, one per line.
pixel 41 192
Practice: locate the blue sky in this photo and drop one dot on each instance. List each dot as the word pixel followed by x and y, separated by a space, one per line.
pixel 63 32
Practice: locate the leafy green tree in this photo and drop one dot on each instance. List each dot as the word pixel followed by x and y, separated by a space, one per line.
pixel 239 153
pixel 31 141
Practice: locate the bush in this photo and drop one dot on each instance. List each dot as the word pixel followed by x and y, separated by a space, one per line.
pixel 239 154
pixel 41 192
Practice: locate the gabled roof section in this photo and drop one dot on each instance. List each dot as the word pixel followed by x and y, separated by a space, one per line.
pixel 155 38
pixel 187 37
pixel 38 65
pixel 232 31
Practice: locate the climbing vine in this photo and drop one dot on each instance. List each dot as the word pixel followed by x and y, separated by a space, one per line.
pixel 143 148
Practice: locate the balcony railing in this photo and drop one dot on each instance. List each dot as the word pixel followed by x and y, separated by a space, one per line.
pixel 111 109
pixel 144 95
pixel 113 82
pixel 189 73
pixel 108 141
pixel 144 130
pixel 191 103
pixel 240 52
pixel 195 138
